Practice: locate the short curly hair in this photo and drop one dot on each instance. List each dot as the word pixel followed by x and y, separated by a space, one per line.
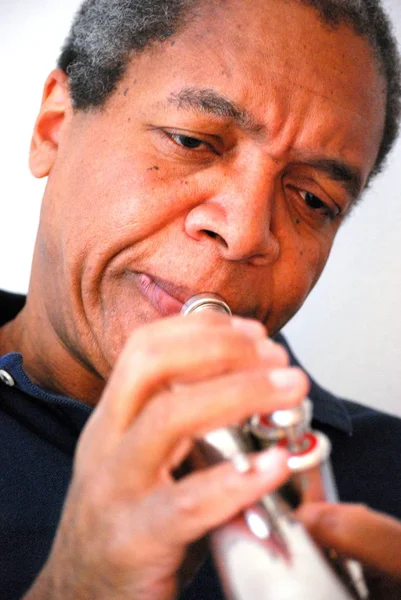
pixel 105 34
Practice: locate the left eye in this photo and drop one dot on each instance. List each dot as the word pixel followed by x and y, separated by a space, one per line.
pixel 188 142
pixel 316 204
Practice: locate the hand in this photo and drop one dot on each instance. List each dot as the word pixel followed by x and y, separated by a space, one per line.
pixel 358 532
pixel 127 522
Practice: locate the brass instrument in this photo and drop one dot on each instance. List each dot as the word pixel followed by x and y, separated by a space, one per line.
pixel 264 553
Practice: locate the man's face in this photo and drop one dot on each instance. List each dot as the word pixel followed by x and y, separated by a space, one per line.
pixel 224 162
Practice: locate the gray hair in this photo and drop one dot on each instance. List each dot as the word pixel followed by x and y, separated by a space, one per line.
pixel 106 33
pixel 103 37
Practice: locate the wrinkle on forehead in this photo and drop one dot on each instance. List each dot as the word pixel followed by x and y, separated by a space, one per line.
pixel 346 103
pixel 290 42
pixel 297 80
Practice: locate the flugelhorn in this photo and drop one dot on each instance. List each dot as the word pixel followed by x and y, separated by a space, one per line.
pixel 265 553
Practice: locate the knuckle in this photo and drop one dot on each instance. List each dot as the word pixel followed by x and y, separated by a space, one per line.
pixel 225 349
pixel 96 493
pixel 257 384
pixel 237 390
pixel 186 504
pixel 144 345
pixel 149 350
pixel 141 355
pixel 244 389
pixel 136 339
pixel 161 412
pixel 227 343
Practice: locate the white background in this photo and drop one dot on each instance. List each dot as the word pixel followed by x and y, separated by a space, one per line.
pixel 348 334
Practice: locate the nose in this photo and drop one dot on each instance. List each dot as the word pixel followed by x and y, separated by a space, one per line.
pixel 237 216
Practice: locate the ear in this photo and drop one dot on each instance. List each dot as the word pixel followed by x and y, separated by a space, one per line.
pixel 55 108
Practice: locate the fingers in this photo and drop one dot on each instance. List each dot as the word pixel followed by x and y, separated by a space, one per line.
pixel 357 532
pixel 177 350
pixel 114 524
pixel 176 380
pixel 187 510
pixel 163 351
pixel 191 411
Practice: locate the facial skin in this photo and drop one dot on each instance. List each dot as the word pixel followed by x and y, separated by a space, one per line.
pixel 172 183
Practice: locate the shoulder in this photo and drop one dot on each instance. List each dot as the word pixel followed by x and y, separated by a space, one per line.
pixel 366 462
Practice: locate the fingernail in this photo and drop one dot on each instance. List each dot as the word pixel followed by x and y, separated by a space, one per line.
pixel 252 328
pixel 241 462
pixel 284 378
pixel 270 460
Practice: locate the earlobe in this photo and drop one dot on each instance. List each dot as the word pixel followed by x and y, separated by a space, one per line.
pixel 54 109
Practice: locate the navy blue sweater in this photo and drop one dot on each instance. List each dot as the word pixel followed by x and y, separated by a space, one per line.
pixel 39 432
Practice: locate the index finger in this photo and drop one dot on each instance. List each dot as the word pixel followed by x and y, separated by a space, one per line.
pixel 171 350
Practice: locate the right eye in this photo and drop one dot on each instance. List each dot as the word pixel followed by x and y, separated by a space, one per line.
pixel 191 143
pixel 316 204
pixel 187 141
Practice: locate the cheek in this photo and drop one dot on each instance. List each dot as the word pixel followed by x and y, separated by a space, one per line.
pixel 301 262
pixel 121 205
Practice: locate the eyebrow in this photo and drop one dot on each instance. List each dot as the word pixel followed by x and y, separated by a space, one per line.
pixel 337 170
pixel 208 101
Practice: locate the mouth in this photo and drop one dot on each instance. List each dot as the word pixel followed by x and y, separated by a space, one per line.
pixel 166 298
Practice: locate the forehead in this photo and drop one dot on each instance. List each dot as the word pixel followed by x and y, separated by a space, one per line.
pixel 276 59
pixel 289 41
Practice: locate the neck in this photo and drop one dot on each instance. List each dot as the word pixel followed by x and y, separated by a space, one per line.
pixel 47 361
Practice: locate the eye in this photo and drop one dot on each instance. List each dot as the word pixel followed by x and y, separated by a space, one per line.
pixel 316 204
pixel 187 142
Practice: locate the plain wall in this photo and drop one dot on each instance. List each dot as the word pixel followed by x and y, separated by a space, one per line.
pixel 348 334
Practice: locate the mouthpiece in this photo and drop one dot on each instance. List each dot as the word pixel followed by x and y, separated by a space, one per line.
pixel 205 301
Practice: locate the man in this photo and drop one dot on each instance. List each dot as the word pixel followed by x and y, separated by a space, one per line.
pixel 189 147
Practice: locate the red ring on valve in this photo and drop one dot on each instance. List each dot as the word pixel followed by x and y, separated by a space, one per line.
pixel 308 437
pixel 266 421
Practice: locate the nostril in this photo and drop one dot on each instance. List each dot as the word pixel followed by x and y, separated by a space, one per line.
pixel 214 236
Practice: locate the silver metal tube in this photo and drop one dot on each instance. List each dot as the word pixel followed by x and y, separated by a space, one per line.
pixel 264 553
pixel 312 478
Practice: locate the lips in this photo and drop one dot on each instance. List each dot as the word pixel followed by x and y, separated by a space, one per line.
pixel 168 299
pixel 161 295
